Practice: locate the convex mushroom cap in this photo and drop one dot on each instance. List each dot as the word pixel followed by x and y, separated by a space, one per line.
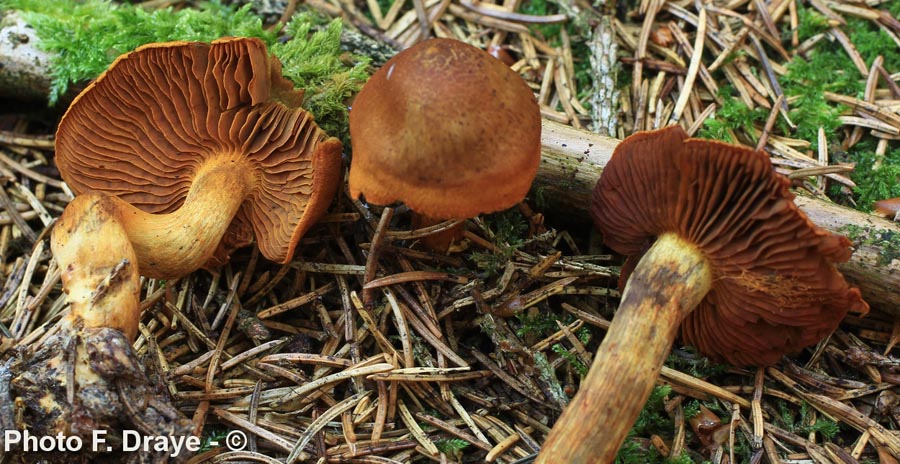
pixel 207 135
pixel 775 286
pixel 447 129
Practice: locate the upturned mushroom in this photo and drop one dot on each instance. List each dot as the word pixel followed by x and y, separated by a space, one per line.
pixel 174 147
pixel 85 376
pixel 196 139
pixel 724 255
pixel 447 129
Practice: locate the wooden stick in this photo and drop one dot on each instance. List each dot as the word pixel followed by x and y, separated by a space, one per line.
pixel 573 159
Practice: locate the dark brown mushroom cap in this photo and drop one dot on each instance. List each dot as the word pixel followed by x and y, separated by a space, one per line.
pixel 144 128
pixel 775 286
pixel 447 129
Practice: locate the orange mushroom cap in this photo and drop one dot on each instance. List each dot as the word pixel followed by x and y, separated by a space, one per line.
pixel 145 128
pixel 888 207
pixel 447 129
pixel 775 286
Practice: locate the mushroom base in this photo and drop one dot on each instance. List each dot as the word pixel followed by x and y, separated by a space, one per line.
pixel 98 266
pixel 667 284
pixel 438 242
pixel 80 381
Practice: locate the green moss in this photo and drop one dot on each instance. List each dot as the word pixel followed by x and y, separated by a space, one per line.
pixel 684 458
pixel 509 227
pixel 875 184
pixel 732 116
pixel 696 365
pixel 451 446
pixel 871 41
pixel 810 24
pixel 653 418
pixel 825 68
pixel 887 241
pixel 801 422
pixel 828 68
pixel 212 434
pixel 583 77
pixel 570 358
pixel 894 9
pixel 806 83
pixel 691 409
pixel 313 60
pixel 541 8
pixel 536 324
pixel 632 452
pixel 86 36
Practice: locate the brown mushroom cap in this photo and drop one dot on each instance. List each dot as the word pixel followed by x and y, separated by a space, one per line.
pixel 447 129
pixel 888 207
pixel 775 286
pixel 144 129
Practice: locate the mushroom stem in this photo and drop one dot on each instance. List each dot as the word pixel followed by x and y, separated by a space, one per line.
pixel 667 284
pixel 98 266
pixel 438 242
pixel 174 244
pixel 102 242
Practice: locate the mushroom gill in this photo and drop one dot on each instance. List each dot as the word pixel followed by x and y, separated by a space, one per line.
pixel 167 115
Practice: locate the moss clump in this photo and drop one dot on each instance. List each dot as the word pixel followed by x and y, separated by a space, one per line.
pixel 825 68
pixel 828 68
pixel 570 358
pixel 653 418
pixel 733 115
pixel 313 60
pixel 875 183
pixel 508 227
pixel 451 446
pixel 803 424
pixel 887 241
pixel 86 36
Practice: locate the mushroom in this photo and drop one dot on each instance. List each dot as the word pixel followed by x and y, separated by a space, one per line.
pixel 447 129
pixel 191 138
pixel 727 256
pixel 85 376
pixel 175 147
pixel 889 208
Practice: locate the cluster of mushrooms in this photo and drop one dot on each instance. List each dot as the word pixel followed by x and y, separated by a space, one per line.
pixel 717 250
pixel 716 246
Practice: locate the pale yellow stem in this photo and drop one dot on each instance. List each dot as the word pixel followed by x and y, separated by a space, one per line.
pixel 98 266
pixel 438 242
pixel 103 244
pixel 667 284
pixel 172 245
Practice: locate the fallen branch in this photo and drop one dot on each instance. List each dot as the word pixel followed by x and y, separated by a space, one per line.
pixel 572 161
pixel 24 68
